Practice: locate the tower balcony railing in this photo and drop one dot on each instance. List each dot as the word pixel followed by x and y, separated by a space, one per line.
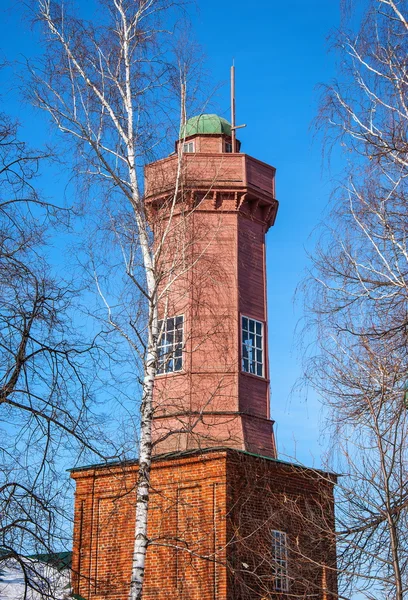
pixel 210 171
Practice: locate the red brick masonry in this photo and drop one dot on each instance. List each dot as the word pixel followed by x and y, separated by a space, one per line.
pixel 210 522
pixel 215 254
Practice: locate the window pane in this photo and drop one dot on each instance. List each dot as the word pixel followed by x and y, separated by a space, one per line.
pixel 170 346
pixel 252 347
pixel 279 560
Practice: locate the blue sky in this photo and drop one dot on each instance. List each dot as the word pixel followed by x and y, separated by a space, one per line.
pixel 281 55
pixel 280 52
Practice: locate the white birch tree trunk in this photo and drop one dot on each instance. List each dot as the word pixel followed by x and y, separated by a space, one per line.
pixel 97 97
pixel 358 296
pixel 145 459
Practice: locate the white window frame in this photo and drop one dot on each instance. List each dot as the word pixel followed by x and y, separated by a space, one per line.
pixel 170 345
pixel 188 147
pixel 279 552
pixel 252 346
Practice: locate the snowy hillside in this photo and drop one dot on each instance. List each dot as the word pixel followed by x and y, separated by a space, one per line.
pixel 12 584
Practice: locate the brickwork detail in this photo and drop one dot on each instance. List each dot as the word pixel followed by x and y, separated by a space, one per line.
pixel 210 520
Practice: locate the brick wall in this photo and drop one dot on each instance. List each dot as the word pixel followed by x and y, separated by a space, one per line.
pixel 265 495
pixel 210 519
pixel 213 265
pixel 221 262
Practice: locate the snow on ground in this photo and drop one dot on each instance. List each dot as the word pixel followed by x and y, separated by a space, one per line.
pixel 12 581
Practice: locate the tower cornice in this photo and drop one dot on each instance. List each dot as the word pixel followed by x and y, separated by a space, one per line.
pixel 215 181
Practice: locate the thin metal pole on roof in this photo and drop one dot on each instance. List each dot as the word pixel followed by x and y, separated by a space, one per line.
pixel 233 132
pixel 233 126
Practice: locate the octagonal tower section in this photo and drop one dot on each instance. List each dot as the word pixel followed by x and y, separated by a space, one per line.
pixel 210 209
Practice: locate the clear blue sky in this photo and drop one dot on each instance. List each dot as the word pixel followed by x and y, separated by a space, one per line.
pixel 280 52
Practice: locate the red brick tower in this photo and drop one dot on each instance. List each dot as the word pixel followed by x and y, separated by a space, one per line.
pixel 213 386
pixel 228 520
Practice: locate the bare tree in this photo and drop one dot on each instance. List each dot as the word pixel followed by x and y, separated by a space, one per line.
pixel 44 393
pixel 357 298
pixel 111 85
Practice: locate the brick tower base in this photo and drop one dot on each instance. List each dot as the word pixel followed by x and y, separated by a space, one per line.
pixel 212 520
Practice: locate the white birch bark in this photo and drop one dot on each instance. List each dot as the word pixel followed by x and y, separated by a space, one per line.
pixel 93 74
pixel 357 301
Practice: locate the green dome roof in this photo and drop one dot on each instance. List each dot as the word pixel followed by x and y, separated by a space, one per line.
pixel 207 125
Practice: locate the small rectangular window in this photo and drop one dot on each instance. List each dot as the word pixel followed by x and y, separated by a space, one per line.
pixel 188 147
pixel 170 347
pixel 280 561
pixel 228 147
pixel 252 347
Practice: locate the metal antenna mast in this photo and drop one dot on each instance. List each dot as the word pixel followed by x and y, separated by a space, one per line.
pixel 233 126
